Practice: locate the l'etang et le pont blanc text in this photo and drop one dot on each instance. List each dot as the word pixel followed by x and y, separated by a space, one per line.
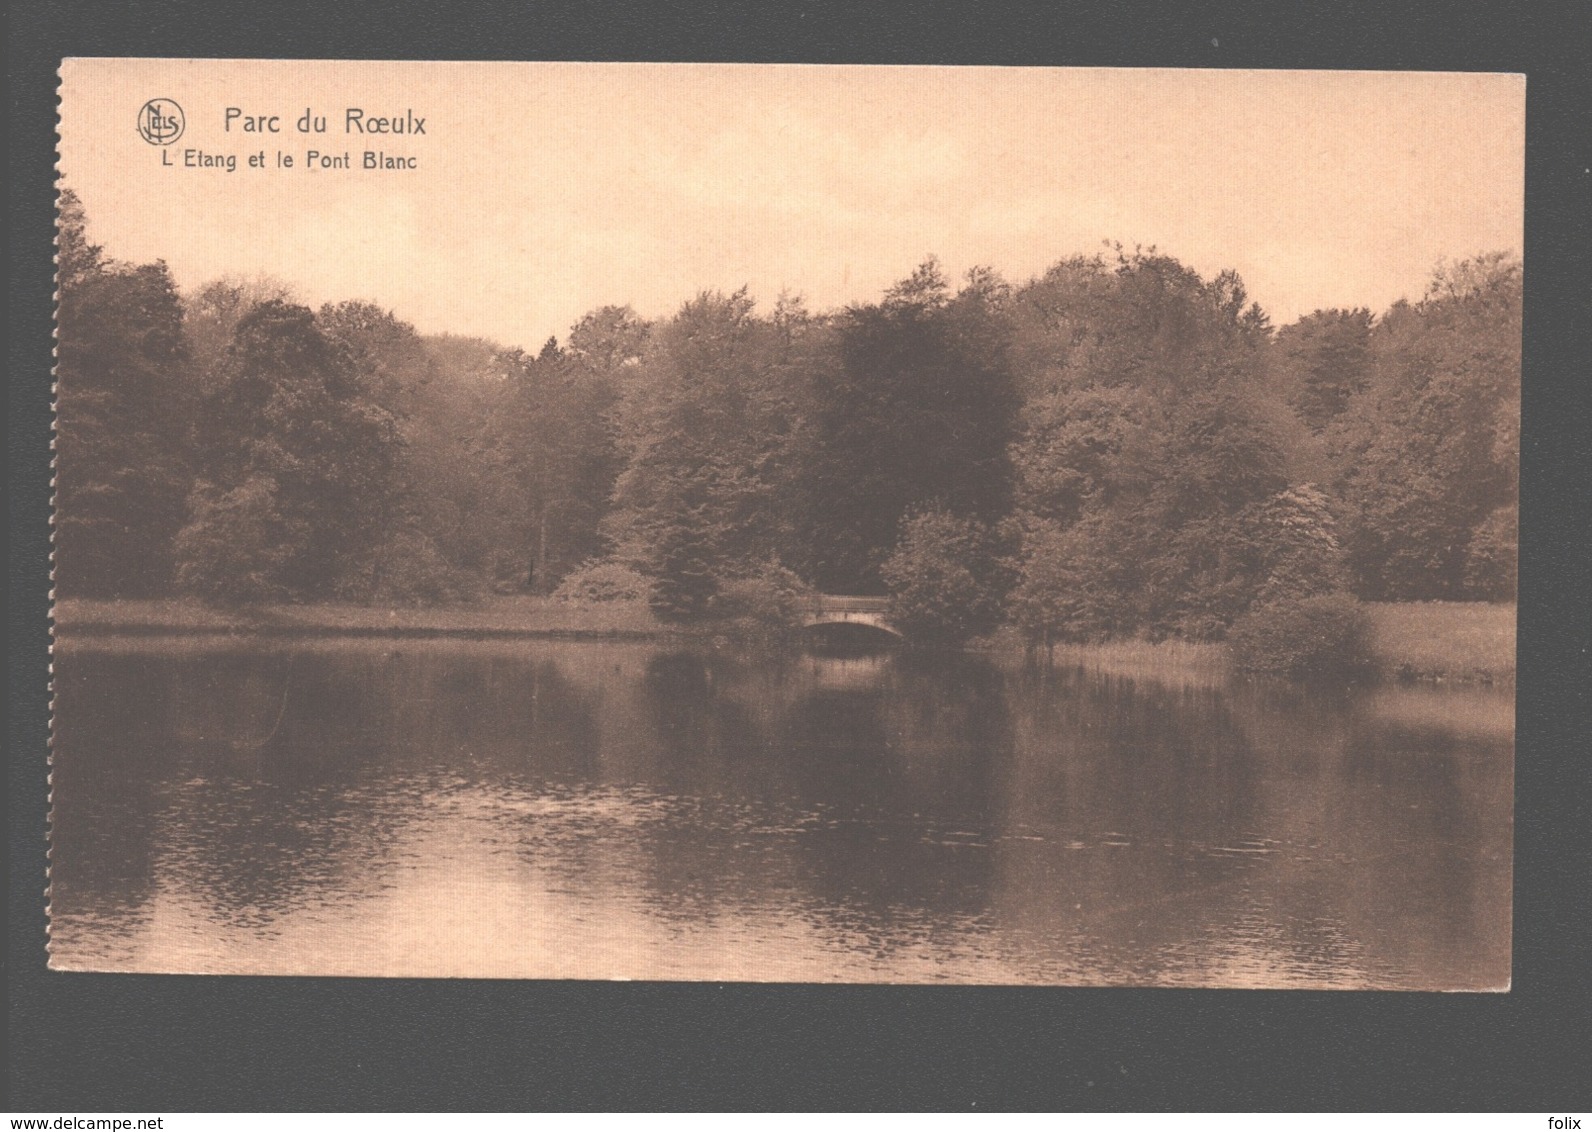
pixel 356 120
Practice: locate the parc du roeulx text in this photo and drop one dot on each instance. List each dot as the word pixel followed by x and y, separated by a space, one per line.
pixel 355 120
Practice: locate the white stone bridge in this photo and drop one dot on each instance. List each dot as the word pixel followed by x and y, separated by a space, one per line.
pixel 843 609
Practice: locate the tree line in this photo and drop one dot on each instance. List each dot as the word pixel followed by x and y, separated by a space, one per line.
pixel 1116 447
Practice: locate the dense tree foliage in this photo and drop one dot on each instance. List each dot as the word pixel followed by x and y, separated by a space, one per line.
pixel 1116 447
pixel 710 429
pixel 121 471
pixel 1151 437
pixel 1428 453
pixel 944 579
pixel 211 316
pixel 296 449
pixel 920 411
pixel 555 452
pixel 397 372
pixel 1324 360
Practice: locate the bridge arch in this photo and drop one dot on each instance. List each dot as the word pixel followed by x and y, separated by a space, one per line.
pixel 844 614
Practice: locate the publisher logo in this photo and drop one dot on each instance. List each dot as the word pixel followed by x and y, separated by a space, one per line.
pixel 161 121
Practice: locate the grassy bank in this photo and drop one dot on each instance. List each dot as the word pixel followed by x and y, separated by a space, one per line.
pixel 1461 642
pixel 513 616
pixel 1450 641
pixel 1438 640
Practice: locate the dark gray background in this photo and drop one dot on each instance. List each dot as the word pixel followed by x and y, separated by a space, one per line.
pixel 153 1043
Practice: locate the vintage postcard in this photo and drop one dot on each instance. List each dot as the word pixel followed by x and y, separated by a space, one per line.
pixel 786 523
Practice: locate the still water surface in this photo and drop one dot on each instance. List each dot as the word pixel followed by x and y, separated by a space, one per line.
pixel 601 810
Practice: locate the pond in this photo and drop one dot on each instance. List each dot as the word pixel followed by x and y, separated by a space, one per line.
pixel 597 810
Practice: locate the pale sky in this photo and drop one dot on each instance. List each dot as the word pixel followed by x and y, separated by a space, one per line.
pixel 545 190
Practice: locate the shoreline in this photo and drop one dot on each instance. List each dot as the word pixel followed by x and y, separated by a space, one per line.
pixel 504 618
pixel 1434 642
pixel 324 632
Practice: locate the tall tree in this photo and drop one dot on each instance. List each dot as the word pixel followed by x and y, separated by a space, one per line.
pixel 608 340
pixel 211 315
pixel 1145 451
pixel 460 491
pixel 390 360
pixel 1428 452
pixel 1325 360
pixel 418 558
pixel 554 431
pixel 708 428
pixel 75 257
pixel 121 468
pixel 296 446
pixel 918 413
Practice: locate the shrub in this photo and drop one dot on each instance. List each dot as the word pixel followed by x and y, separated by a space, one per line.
pixel 1490 560
pixel 769 599
pixel 1065 590
pixel 412 570
pixel 684 582
pixel 1296 539
pixel 603 581
pixel 238 547
pixel 942 579
pixel 1326 635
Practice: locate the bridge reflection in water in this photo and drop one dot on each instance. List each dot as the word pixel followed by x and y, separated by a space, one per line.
pixel 847 670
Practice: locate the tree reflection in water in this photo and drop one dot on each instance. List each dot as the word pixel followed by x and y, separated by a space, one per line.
pixel 553 809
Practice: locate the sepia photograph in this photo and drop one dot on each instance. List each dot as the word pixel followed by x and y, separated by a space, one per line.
pixel 786 523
